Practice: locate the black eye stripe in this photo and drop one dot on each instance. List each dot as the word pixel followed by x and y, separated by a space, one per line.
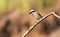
pixel 32 11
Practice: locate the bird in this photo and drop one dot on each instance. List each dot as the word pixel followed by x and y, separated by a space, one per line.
pixel 35 14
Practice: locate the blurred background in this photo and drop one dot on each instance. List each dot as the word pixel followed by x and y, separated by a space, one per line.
pixel 15 19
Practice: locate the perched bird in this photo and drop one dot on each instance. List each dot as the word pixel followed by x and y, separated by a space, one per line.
pixel 35 14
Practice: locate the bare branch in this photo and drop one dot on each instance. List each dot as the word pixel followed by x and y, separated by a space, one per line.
pixel 32 27
pixel 56 15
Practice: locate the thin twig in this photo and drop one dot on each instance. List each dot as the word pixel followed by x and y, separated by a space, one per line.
pixel 32 27
pixel 56 15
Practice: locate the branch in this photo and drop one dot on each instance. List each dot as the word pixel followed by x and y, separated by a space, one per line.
pixel 56 15
pixel 32 27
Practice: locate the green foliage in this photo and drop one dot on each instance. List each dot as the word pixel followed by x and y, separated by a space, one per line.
pixel 25 4
pixel 3 6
